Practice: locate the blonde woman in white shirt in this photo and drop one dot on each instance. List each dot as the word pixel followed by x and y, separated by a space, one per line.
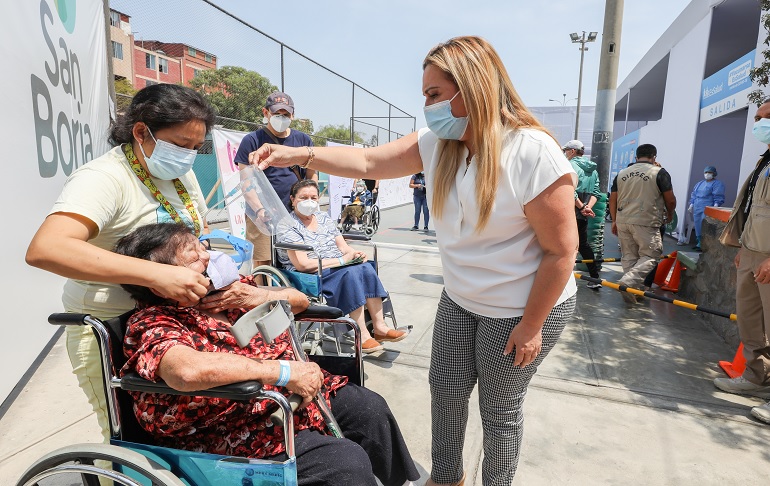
pixel 502 196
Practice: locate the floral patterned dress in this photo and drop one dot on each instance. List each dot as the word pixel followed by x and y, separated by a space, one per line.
pixel 213 425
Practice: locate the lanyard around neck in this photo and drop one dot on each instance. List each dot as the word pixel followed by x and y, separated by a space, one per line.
pixel 180 190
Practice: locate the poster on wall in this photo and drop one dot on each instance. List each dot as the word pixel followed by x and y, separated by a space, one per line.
pixel 623 154
pixel 226 143
pixel 727 90
pixel 56 114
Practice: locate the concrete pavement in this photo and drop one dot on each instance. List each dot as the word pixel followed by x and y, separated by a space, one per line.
pixel 624 398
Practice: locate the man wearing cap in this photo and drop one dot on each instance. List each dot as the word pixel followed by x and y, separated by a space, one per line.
pixel 586 195
pixel 708 192
pixel 278 113
pixel 641 200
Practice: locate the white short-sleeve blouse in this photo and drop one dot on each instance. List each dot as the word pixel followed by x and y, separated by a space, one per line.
pixel 492 272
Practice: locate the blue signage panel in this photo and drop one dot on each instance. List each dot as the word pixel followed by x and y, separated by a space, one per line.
pixel 623 154
pixel 726 90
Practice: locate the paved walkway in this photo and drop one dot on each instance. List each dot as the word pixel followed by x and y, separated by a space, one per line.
pixel 624 398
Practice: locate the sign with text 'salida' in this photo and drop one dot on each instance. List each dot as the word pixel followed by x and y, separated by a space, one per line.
pixel 727 90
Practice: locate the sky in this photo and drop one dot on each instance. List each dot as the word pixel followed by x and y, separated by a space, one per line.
pixel 380 44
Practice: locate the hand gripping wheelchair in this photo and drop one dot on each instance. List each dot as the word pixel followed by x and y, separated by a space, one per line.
pixel 138 462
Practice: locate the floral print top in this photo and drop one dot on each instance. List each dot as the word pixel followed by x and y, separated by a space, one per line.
pixel 212 425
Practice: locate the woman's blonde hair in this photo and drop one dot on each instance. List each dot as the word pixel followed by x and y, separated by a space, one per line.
pixel 493 106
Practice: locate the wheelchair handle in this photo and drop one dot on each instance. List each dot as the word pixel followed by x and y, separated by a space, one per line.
pixel 293 246
pixel 67 319
pixel 294 402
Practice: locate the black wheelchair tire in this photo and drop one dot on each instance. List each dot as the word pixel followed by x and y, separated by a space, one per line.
pixel 375 218
pixel 88 453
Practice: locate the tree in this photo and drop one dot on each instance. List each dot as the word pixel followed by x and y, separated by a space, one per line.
pixel 124 91
pixel 338 134
pixel 761 73
pixel 303 125
pixel 235 93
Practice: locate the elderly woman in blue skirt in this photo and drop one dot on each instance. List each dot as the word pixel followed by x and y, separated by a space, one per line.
pixel 346 285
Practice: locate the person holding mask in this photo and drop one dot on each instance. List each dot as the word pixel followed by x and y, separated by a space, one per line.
pixel 417 182
pixel 147 178
pixel 708 192
pixel 502 198
pixel 278 113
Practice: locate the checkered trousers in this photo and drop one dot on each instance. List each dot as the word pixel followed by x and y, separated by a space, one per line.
pixel 468 348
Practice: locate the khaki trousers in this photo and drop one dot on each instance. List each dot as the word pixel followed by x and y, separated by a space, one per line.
pixel 641 247
pixel 752 301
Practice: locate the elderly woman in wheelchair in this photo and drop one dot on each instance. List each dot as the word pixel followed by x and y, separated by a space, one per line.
pixel 192 348
pixel 349 282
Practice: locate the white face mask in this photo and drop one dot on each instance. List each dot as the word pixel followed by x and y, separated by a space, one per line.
pixel 168 161
pixel 361 188
pixel 280 123
pixel 708 176
pixel 306 207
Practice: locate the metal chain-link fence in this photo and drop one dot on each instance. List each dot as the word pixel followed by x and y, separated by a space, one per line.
pixel 181 40
pixel 235 65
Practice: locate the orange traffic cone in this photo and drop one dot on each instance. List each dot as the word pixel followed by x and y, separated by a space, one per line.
pixel 672 281
pixel 735 368
pixel 664 268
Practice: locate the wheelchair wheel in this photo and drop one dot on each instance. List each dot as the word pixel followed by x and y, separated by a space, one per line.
pixel 375 218
pixel 272 275
pixel 347 224
pixel 79 459
pixel 366 224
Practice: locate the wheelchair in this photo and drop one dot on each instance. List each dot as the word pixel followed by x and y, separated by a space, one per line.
pixel 138 462
pixel 369 221
pixel 311 285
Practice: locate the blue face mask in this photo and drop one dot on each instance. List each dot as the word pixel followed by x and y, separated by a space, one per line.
pixel 168 161
pixel 442 122
pixel 761 130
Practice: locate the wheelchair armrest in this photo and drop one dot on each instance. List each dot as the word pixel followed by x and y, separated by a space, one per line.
pixel 352 237
pixel 319 312
pixel 67 319
pixel 293 246
pixel 244 390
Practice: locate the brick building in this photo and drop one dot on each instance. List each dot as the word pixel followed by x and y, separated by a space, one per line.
pixel 122 45
pixel 145 62
pixel 168 62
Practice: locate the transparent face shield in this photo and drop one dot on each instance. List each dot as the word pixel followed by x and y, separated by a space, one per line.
pixel 255 196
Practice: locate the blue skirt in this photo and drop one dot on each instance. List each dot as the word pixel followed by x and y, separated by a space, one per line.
pixel 347 288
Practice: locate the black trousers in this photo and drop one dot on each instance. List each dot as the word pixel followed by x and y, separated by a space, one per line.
pixel 373 445
pixel 585 249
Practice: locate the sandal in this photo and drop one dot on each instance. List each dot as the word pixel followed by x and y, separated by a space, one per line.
pixel 392 336
pixel 371 345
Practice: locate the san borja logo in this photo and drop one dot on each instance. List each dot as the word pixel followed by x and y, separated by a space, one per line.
pixel 738 74
pixel 66 11
pixel 58 98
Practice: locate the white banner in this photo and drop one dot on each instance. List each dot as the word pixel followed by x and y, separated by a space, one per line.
pixel 226 143
pixel 55 119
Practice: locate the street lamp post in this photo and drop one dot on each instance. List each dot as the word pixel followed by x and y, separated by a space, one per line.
pixel 564 101
pixel 582 40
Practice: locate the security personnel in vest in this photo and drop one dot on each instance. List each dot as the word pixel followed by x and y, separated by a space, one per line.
pixel 749 230
pixel 641 200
